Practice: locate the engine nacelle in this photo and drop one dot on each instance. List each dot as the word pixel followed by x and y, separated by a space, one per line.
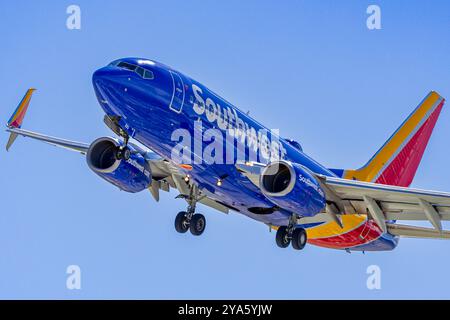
pixel 292 188
pixel 132 175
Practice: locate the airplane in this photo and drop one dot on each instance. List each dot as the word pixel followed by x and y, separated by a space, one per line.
pixel 153 109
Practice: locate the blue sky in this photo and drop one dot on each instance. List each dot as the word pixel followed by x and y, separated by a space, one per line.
pixel 310 68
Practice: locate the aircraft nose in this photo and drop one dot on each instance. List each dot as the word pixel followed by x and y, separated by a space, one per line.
pixel 106 83
pixel 100 76
pixel 110 77
pixel 106 80
pixel 115 90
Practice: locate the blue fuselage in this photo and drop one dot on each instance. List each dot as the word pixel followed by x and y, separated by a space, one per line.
pixel 152 106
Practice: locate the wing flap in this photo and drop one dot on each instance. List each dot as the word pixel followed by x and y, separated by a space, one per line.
pixel 384 203
pixel 417 232
pixel 356 190
pixel 403 211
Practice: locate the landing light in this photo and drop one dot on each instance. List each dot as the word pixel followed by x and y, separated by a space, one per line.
pixel 185 166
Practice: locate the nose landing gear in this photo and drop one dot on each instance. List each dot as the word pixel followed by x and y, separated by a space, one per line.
pixel 291 235
pixel 122 152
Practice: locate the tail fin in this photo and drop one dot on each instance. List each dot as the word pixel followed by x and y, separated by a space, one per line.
pixel 17 117
pixel 397 160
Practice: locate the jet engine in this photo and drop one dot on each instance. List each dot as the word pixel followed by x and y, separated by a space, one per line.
pixel 293 188
pixel 132 175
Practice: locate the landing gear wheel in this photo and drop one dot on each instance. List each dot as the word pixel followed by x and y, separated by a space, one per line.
pixel 126 153
pixel 197 224
pixel 299 239
pixel 282 237
pixel 119 154
pixel 123 153
pixel 181 222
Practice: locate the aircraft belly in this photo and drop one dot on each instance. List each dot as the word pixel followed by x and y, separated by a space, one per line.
pixel 237 191
pixel 357 231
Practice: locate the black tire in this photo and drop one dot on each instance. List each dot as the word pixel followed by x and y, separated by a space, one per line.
pixel 198 224
pixel 181 224
pixel 119 154
pixel 299 239
pixel 123 153
pixel 281 238
pixel 126 153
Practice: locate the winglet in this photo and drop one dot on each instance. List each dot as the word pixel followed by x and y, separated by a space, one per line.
pixel 17 117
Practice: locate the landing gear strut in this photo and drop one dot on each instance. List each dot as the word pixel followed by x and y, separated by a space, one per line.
pixel 189 220
pixel 291 235
pixel 122 152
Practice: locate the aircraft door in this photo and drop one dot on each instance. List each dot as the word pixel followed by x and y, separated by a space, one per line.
pixel 178 95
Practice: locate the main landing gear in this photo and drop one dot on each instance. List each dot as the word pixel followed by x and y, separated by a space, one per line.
pixel 189 220
pixel 291 235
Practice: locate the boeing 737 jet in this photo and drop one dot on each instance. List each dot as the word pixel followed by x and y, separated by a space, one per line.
pixel 171 131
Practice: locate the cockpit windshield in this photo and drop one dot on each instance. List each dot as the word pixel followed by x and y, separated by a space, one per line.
pixel 143 73
pixel 125 65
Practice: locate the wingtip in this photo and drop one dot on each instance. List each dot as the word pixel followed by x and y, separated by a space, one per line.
pixel 12 138
pixel 16 119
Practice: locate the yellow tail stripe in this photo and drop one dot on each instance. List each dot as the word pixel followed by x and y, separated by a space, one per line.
pixel 21 108
pixel 371 170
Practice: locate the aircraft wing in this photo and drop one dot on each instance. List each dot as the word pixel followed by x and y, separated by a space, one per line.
pixel 383 203
pixel 67 144
pixel 417 232
pixel 165 174
pixel 14 127
pixel 388 203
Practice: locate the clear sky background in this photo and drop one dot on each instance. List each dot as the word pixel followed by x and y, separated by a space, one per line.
pixel 310 68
